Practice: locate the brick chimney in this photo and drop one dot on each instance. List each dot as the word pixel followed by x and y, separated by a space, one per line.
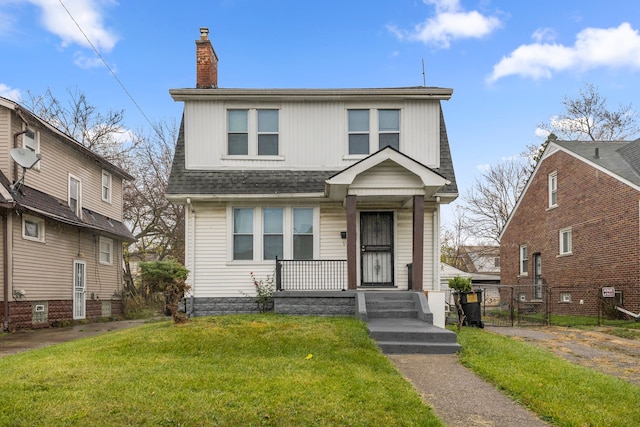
pixel 206 62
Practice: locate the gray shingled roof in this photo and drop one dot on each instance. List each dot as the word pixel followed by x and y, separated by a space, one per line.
pixel 186 182
pixel 30 199
pixel 621 158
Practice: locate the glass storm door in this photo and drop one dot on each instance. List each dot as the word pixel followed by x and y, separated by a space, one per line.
pixel 537 276
pixel 376 248
pixel 79 289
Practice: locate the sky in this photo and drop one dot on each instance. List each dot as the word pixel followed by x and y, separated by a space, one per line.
pixel 510 63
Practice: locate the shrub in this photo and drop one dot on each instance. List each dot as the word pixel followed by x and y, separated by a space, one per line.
pixel 168 277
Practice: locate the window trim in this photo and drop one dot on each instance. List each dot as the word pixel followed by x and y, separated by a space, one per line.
pixel 523 249
pixel 562 250
pixel 36 143
pixel 253 134
pixel 258 232
pixel 553 189
pixel 109 242
pixel 41 228
pixel 374 129
pixel 78 210
pixel 108 187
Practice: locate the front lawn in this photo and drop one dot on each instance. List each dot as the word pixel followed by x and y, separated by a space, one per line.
pixel 559 391
pixel 254 370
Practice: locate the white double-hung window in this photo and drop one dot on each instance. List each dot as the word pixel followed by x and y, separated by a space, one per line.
pixel 553 189
pixel 524 260
pixel 566 241
pixel 370 130
pixel 264 233
pixel 253 132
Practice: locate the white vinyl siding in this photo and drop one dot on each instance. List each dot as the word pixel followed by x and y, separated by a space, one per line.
pixel 206 124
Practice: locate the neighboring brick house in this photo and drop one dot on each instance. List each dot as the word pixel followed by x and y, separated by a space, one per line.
pixel 346 184
pixel 576 227
pixel 62 230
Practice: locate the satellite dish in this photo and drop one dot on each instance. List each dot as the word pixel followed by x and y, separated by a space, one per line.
pixel 24 157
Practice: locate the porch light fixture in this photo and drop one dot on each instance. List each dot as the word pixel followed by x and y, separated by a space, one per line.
pixel 343 234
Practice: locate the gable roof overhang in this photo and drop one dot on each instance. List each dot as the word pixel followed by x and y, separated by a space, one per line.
pixel 615 164
pixel 25 114
pixel 349 94
pixel 363 180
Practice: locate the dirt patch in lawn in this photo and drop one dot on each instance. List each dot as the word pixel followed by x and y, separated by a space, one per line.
pixel 594 349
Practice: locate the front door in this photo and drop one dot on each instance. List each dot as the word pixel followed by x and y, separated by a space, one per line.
pixel 537 276
pixel 376 248
pixel 79 289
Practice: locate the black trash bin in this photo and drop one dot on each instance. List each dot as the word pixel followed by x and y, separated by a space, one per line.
pixel 470 302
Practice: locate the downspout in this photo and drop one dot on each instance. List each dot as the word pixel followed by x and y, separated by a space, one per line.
pixel 190 218
pixel 5 271
pixel 436 245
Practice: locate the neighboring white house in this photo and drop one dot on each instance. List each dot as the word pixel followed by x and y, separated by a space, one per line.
pixel 348 181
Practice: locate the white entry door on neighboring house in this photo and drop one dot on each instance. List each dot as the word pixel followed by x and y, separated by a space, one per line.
pixel 376 248
pixel 79 289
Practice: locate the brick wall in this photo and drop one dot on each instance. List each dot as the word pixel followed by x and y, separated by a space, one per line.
pixel 59 312
pixel 603 215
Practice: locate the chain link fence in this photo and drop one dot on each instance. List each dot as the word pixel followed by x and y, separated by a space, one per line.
pixel 544 304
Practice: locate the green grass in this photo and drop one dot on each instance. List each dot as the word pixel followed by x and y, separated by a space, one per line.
pixel 560 392
pixel 249 370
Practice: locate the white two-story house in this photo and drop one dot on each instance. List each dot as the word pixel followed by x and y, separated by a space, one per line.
pixel 342 186
pixel 62 226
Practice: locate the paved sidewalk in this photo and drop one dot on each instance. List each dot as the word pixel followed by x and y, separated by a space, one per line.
pixel 29 339
pixel 458 396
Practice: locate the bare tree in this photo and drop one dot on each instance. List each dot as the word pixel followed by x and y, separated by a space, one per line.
pixel 454 235
pixel 103 133
pixel 587 117
pixel 157 223
pixel 491 198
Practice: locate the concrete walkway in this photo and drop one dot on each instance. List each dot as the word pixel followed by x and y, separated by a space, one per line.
pixel 458 396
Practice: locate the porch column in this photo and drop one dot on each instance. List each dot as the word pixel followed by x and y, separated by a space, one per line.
pixel 352 253
pixel 418 242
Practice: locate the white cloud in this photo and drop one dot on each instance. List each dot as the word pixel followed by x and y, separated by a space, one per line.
pixel 484 167
pixel 8 92
pixel 544 35
pixel 89 16
pixel 450 23
pixel 542 133
pixel 594 48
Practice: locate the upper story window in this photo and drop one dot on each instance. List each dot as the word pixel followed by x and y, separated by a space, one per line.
pixel 371 132
pixel 106 186
pixel 31 141
pixel 32 228
pixel 358 131
pixel 524 260
pixel 252 132
pixel 566 243
pixel 389 129
pixel 553 189
pixel 106 251
pixel 75 195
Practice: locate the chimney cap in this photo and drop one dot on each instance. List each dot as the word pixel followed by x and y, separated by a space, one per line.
pixel 204 33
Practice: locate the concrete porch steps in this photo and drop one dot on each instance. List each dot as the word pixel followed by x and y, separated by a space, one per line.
pixel 401 323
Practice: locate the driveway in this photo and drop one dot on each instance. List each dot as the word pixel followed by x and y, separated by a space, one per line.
pixel 593 349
